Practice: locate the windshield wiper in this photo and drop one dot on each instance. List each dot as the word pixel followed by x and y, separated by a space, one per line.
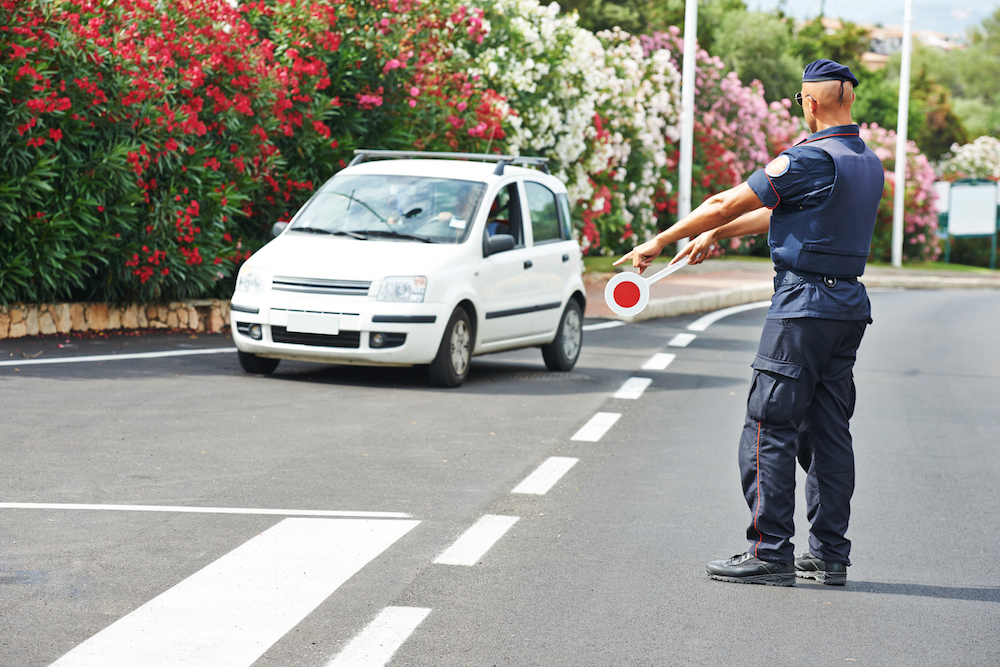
pixel 339 232
pixel 395 234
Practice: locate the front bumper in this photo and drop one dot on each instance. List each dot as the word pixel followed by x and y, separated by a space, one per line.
pixel 368 332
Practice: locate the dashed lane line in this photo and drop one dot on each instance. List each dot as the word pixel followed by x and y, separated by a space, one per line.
pixel 681 340
pixel 633 388
pixel 204 510
pixel 598 425
pixel 477 540
pixel 378 642
pixel 659 361
pixel 118 357
pixel 231 612
pixel 546 475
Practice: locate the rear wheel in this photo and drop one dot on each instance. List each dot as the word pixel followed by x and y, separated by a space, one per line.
pixel 451 365
pixel 251 363
pixel 561 354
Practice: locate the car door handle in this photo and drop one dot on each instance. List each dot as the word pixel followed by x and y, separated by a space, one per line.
pixel 565 258
pixel 527 264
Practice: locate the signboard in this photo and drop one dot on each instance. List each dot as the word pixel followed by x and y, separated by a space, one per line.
pixel 972 209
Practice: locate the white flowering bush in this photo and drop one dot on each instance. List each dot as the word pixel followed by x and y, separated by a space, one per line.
pixel 597 105
pixel 980 159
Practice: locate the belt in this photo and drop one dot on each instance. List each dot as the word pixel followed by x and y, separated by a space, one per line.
pixel 783 278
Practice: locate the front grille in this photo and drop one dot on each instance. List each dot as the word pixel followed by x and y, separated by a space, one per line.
pixel 350 339
pixel 321 286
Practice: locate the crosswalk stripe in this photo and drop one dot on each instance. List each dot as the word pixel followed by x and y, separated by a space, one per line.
pixel 477 540
pixel 378 642
pixel 230 612
pixel 546 475
pixel 598 425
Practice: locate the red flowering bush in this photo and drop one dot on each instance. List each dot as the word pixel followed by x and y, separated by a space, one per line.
pixel 147 147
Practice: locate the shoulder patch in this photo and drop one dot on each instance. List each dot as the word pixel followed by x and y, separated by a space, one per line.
pixel 777 166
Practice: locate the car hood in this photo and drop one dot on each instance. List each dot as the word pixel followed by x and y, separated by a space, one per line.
pixel 338 258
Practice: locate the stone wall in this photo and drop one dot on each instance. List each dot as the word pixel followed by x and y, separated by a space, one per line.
pixel 17 320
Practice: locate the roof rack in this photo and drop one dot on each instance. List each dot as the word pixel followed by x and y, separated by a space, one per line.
pixel 362 155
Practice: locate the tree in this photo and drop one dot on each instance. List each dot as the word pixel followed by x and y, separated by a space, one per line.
pixel 756 46
pixel 812 42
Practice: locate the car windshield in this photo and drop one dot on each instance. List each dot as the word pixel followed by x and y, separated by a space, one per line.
pixel 382 207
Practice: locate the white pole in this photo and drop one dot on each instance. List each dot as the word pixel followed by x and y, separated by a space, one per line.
pixel 687 111
pixel 901 130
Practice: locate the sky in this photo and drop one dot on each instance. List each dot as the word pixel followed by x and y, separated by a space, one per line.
pixel 948 16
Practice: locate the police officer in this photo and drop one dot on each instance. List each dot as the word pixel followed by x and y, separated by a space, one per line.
pixel 818 202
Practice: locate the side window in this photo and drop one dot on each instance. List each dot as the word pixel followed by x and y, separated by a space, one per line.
pixel 505 215
pixel 565 221
pixel 544 213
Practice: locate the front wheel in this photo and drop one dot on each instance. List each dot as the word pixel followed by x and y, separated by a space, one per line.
pixel 251 363
pixel 561 354
pixel 451 365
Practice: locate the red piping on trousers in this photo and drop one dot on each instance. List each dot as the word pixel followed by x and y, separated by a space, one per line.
pixel 760 536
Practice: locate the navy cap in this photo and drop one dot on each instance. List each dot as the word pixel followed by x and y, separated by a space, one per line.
pixel 828 70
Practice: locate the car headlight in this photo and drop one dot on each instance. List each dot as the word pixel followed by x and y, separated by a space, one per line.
pixel 253 280
pixel 406 289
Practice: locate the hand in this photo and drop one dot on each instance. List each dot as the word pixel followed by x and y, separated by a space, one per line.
pixel 445 216
pixel 697 250
pixel 642 255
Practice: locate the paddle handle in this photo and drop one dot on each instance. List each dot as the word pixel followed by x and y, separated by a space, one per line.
pixel 667 271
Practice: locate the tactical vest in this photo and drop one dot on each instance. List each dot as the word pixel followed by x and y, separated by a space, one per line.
pixel 834 238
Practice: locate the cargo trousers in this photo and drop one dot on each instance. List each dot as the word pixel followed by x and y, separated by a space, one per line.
pixel 800 404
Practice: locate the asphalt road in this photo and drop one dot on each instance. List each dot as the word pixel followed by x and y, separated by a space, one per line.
pixel 314 517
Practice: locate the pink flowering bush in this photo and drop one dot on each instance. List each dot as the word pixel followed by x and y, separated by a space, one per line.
pixel 920 221
pixel 736 132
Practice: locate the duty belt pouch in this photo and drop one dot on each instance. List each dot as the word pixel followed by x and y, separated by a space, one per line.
pixel 774 390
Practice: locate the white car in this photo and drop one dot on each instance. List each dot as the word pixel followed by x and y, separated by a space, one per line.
pixel 417 258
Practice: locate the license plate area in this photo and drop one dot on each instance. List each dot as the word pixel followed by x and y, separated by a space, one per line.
pixel 313 323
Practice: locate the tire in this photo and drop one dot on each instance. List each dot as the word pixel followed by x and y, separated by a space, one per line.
pixel 561 354
pixel 251 363
pixel 451 365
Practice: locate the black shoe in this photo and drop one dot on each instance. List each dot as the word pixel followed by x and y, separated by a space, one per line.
pixel 808 566
pixel 747 569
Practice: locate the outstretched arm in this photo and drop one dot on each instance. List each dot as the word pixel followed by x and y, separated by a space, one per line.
pixel 715 212
pixel 748 224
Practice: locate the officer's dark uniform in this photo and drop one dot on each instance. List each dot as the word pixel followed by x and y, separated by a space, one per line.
pixel 824 193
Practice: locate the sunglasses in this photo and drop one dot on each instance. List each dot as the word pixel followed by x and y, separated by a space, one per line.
pixel 798 98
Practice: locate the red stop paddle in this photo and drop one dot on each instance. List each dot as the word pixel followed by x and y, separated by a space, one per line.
pixel 628 293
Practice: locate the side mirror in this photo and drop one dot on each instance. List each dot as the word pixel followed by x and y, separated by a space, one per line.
pixel 498 243
pixel 278 228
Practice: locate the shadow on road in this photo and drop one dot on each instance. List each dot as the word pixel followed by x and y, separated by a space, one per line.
pixel 987 594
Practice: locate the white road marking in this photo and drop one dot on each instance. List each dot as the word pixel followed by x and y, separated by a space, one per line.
pixel 204 510
pixel 681 340
pixel 119 357
pixel 229 613
pixel 633 388
pixel 596 427
pixel 610 324
pixel 477 540
pixel 546 475
pixel 659 361
pixel 378 642
pixel 705 322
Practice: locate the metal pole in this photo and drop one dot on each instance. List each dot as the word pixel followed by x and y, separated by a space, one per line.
pixel 898 202
pixel 687 111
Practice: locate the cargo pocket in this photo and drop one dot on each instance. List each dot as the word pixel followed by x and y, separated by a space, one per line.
pixel 773 392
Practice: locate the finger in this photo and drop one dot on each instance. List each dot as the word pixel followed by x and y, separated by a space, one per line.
pixel 623 258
